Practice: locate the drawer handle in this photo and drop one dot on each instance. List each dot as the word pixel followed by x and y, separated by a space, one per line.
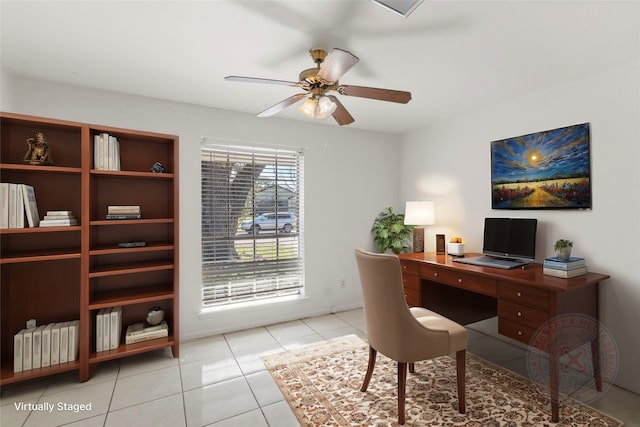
pixel 519 314
pixel 435 274
pixel 459 280
pixel 520 333
pixel 519 294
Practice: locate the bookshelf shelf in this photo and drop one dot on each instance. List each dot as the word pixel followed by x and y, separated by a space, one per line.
pixel 7 376
pixel 81 269
pixel 125 350
pixel 131 296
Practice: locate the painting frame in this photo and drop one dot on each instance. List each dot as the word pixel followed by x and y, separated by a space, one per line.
pixel 543 170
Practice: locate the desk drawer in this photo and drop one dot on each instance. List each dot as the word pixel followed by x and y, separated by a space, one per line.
pixel 411 281
pixel 524 294
pixel 413 297
pixel 521 313
pixel 515 330
pixel 458 279
pixel 410 267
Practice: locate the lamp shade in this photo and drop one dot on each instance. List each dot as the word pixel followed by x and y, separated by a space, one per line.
pixel 419 213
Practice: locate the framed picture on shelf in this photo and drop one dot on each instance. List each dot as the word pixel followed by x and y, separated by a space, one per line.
pixel 542 170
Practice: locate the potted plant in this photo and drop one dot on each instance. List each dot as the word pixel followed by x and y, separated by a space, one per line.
pixel 390 232
pixel 562 247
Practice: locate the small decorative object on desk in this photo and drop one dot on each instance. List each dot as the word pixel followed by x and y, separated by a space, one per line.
pixel 155 316
pixel 562 247
pixel 455 246
pixel 158 168
pixel 39 152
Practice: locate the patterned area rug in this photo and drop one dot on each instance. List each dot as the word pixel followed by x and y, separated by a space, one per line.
pixel 322 384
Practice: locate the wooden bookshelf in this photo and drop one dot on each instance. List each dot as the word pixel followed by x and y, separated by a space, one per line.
pixel 56 274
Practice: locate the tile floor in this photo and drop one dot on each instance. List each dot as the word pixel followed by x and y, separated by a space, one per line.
pixel 220 381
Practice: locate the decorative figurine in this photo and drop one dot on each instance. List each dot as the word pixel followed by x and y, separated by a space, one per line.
pixel 38 153
pixel 158 168
pixel 155 316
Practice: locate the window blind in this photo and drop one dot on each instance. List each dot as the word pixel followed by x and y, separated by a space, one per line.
pixel 252 239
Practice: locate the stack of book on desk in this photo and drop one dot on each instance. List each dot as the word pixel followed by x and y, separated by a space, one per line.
pixel 565 268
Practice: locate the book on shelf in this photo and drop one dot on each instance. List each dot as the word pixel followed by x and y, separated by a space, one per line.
pixel 36 352
pixel 46 345
pixel 106 152
pixel 4 205
pixel 139 332
pixel 116 327
pixel 74 340
pixel 27 348
pixel 18 344
pixel 60 213
pixel 123 216
pixel 55 344
pixel 564 263
pixel 30 205
pixel 58 219
pixel 565 274
pixel 14 207
pixel 106 328
pixel 99 317
pixel 64 342
pixel 58 222
pixel 123 210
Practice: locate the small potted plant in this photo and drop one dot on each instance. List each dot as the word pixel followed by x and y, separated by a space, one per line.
pixel 562 247
pixel 390 232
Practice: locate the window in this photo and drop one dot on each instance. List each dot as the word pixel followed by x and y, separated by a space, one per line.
pixel 252 240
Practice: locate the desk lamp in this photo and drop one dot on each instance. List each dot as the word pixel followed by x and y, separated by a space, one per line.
pixel 419 213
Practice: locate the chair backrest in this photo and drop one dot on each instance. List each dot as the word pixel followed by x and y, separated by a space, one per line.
pixel 389 321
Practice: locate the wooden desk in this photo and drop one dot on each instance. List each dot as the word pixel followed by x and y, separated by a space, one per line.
pixel 524 300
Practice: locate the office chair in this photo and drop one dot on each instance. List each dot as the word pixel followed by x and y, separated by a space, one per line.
pixel 406 335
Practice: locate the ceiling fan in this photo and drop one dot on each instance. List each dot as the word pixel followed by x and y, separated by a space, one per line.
pixel 323 79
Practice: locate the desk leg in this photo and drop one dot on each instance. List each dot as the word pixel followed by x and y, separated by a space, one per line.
pixel 554 377
pixel 595 359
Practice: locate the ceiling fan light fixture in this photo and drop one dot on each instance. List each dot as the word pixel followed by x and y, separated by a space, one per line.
pixel 326 107
pixel 318 107
pixel 308 108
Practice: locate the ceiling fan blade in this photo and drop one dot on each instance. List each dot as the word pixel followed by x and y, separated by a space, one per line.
pixel 282 105
pixel 334 66
pixel 341 114
pixel 257 80
pixel 375 93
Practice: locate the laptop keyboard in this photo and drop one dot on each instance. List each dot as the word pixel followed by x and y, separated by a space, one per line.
pixel 486 261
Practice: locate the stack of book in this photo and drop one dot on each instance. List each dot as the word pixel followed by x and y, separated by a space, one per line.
pixel 16 202
pixel 58 219
pixel 124 212
pixel 106 152
pixel 46 345
pixel 139 332
pixel 108 328
pixel 565 268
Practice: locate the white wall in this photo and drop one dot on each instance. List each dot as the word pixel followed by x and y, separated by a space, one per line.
pixel 450 164
pixel 350 176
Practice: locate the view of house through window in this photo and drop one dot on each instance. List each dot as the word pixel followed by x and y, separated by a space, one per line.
pixel 252 240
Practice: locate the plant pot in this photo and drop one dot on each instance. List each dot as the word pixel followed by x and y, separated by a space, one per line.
pixel 563 253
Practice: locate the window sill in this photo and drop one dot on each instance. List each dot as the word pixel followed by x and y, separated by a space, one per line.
pixel 205 312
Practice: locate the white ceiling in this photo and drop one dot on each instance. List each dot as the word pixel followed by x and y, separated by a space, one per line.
pixel 454 56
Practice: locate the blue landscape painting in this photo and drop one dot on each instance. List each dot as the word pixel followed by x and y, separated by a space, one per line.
pixel 543 170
